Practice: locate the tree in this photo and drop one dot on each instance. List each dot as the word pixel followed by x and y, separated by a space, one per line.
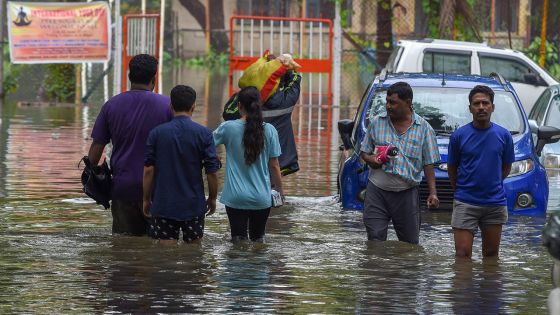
pixel 218 38
pixel 384 42
pixel 453 11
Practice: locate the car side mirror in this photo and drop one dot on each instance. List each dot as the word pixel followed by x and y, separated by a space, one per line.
pixel 530 78
pixel 545 135
pixel 345 127
pixel 533 126
pixel 534 79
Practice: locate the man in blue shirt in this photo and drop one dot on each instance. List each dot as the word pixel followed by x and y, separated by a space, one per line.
pixel 176 152
pixel 480 157
pixel 392 190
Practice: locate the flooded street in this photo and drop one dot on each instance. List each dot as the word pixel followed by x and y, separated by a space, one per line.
pixel 58 255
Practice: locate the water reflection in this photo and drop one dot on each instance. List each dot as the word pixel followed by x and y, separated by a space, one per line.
pixel 58 255
pixel 151 278
pixel 477 287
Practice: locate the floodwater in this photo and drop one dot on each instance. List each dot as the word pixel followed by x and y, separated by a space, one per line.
pixel 58 255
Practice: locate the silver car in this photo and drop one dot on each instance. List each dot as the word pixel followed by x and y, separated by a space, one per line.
pixel 546 112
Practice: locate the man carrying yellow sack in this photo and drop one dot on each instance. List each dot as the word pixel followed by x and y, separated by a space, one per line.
pixel 279 84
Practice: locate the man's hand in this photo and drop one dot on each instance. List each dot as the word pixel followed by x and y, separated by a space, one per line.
pixel 371 160
pixel 432 201
pixel 146 205
pixel 210 206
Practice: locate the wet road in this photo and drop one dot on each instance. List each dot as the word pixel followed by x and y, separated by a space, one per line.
pixel 57 254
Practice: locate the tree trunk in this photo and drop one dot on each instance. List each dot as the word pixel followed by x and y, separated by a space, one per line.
pixel 447 18
pixel 218 37
pixel 384 42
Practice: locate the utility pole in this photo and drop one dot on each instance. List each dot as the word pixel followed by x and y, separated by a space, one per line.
pixel 543 34
pixel 2 49
pixel 161 34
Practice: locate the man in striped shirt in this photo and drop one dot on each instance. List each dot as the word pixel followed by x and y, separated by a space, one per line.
pixel 392 190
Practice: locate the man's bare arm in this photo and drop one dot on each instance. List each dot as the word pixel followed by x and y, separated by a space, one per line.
pixel 95 152
pixel 452 172
pixel 147 189
pixel 212 179
pixel 432 201
pixel 506 169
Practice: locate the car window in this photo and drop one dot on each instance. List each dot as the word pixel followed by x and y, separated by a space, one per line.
pixel 512 70
pixel 393 60
pixel 553 118
pixel 358 118
pixel 443 62
pixel 446 109
pixel 538 111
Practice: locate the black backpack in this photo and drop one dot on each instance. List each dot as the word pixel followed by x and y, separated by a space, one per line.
pixel 97 182
pixel 231 108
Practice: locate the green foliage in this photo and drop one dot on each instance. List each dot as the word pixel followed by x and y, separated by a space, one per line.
pixel 211 60
pixel 60 82
pixel 11 72
pixel 431 11
pixel 550 56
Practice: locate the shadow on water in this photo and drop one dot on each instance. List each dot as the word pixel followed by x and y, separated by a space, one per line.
pixel 58 255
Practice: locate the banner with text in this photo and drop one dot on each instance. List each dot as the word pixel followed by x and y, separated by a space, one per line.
pixel 51 32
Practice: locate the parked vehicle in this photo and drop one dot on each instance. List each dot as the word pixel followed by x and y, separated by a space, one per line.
pixel 443 101
pixel 546 112
pixel 551 240
pixel 445 56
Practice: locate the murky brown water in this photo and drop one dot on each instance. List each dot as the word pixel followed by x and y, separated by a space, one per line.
pixel 58 255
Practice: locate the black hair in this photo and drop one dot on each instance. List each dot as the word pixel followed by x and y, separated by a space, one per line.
pixel 182 98
pixel 482 89
pixel 253 136
pixel 142 69
pixel 402 89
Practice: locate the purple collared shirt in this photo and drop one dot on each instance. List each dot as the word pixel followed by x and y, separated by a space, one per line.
pixel 126 120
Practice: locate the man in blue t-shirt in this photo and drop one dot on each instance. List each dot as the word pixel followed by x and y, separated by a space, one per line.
pixel 480 157
pixel 176 152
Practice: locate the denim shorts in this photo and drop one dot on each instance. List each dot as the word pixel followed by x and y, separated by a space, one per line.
pixel 168 229
pixel 469 217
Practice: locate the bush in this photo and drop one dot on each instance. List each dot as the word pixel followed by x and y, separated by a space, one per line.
pixel 550 57
pixel 60 82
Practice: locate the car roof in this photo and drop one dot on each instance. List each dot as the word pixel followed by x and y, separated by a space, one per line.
pixel 452 44
pixel 435 80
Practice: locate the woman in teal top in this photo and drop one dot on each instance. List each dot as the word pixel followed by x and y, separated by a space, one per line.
pixel 252 150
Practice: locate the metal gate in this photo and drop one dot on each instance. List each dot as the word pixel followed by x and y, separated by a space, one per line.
pixel 140 36
pixel 308 40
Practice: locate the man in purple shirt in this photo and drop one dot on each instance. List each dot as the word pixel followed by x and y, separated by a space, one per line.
pixel 126 120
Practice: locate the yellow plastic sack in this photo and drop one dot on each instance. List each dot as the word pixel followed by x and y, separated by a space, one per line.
pixel 264 75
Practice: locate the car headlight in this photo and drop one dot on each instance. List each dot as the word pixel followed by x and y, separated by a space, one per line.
pixel 521 167
pixel 443 167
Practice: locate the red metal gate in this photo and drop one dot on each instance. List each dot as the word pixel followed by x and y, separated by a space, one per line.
pixel 140 36
pixel 308 40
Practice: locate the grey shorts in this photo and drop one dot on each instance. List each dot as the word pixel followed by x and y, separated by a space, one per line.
pixel 469 217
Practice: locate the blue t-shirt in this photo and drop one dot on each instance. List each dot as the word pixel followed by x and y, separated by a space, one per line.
pixel 479 155
pixel 126 119
pixel 179 150
pixel 246 186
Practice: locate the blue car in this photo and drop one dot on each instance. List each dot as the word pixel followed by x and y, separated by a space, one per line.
pixel 442 100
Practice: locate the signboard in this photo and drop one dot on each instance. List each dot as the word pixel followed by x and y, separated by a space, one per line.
pixel 59 32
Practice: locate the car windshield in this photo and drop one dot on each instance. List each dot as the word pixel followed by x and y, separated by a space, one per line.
pixel 446 109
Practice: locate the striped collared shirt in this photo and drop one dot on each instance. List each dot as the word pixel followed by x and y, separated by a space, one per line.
pixel 417 146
